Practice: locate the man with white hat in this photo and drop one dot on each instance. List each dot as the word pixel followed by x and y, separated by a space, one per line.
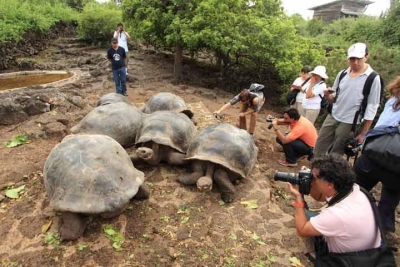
pixel 347 96
pixel 313 93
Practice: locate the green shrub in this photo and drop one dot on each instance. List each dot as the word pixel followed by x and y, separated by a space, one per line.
pixel 98 22
pixel 21 16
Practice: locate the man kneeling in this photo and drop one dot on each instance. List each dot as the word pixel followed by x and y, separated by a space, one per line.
pixel 301 139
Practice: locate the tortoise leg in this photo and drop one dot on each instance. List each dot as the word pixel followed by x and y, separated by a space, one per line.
pixel 143 192
pixel 205 183
pixel 191 178
pixel 175 158
pixel 221 178
pixel 72 226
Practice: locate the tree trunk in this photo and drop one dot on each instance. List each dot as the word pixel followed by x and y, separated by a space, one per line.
pixel 178 62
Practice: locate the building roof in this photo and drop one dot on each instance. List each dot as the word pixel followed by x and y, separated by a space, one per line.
pixel 364 2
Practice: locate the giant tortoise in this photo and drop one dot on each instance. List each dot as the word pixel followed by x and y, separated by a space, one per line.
pixel 167 101
pixel 90 175
pixel 119 120
pixel 164 136
pixel 112 98
pixel 221 153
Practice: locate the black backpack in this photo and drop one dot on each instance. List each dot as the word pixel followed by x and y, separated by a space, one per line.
pixel 366 90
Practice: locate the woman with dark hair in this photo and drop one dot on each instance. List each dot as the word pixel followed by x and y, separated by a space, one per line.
pixel 347 223
pixel 252 100
pixel 370 173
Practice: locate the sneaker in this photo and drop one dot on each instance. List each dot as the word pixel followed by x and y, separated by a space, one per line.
pixel 287 164
pixel 125 94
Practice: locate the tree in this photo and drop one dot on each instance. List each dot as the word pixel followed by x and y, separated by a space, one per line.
pixel 391 25
pixel 257 34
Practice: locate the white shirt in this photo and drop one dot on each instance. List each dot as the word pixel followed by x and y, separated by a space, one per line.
pixel 122 40
pixel 299 81
pixel 315 101
pixel 349 225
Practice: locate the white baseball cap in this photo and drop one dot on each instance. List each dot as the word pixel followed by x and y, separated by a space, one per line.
pixel 357 50
pixel 320 71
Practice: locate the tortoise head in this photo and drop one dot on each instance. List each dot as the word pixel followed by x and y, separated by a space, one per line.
pixel 144 153
pixel 204 183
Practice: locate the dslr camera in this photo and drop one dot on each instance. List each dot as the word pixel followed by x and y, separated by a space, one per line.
pixel 352 147
pixel 302 179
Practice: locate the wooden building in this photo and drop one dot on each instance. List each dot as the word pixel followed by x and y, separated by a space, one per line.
pixel 340 9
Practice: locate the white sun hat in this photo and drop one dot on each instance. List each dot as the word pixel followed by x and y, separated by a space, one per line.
pixel 320 71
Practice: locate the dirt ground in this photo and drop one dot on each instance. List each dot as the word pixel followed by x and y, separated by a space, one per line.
pixel 177 225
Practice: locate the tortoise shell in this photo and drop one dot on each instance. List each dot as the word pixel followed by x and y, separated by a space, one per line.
pixel 226 145
pixel 167 128
pixel 90 174
pixel 165 101
pixel 120 121
pixel 112 98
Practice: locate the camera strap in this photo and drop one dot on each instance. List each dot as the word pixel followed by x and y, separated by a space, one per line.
pixel 339 197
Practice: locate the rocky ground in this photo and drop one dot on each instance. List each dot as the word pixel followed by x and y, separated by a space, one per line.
pixel 177 225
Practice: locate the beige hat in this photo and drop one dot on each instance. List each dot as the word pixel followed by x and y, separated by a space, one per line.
pixel 320 71
pixel 357 50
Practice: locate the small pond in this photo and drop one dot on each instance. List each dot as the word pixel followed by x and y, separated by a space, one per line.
pixel 26 79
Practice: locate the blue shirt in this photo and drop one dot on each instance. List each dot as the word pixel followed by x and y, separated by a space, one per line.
pixel 389 117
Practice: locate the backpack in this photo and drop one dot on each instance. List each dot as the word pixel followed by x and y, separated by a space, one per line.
pixel 291 96
pixel 366 90
pixel 255 88
pixel 382 146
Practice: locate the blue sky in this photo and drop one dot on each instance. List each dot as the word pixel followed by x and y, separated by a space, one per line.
pixel 302 6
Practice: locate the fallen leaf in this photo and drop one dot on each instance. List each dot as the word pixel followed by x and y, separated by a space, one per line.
pixel 251 204
pixel 17 140
pixel 46 226
pixel 221 202
pixel 233 236
pixel 114 235
pixel 13 193
pixel 81 247
pixel 295 262
pixel 185 219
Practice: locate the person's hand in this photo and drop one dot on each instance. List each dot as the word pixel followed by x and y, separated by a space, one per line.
pixel 295 192
pixel 242 114
pixel 360 137
pixel 275 122
pixel 313 79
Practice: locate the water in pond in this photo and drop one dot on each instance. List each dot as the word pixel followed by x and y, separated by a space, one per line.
pixel 29 80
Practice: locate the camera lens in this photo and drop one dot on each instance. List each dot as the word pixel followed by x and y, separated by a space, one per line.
pixel 290 177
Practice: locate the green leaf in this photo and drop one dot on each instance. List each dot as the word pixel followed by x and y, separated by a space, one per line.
pixel 295 262
pixel 185 219
pixel 17 140
pixel 81 247
pixel 13 193
pixel 233 236
pixel 251 204
pixel 114 235
pixel 221 202
pixel 52 239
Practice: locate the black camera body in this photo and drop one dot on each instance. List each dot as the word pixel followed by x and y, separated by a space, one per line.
pixel 352 147
pixel 302 178
pixel 269 119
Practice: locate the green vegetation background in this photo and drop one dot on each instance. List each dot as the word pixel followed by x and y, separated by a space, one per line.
pixel 259 41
